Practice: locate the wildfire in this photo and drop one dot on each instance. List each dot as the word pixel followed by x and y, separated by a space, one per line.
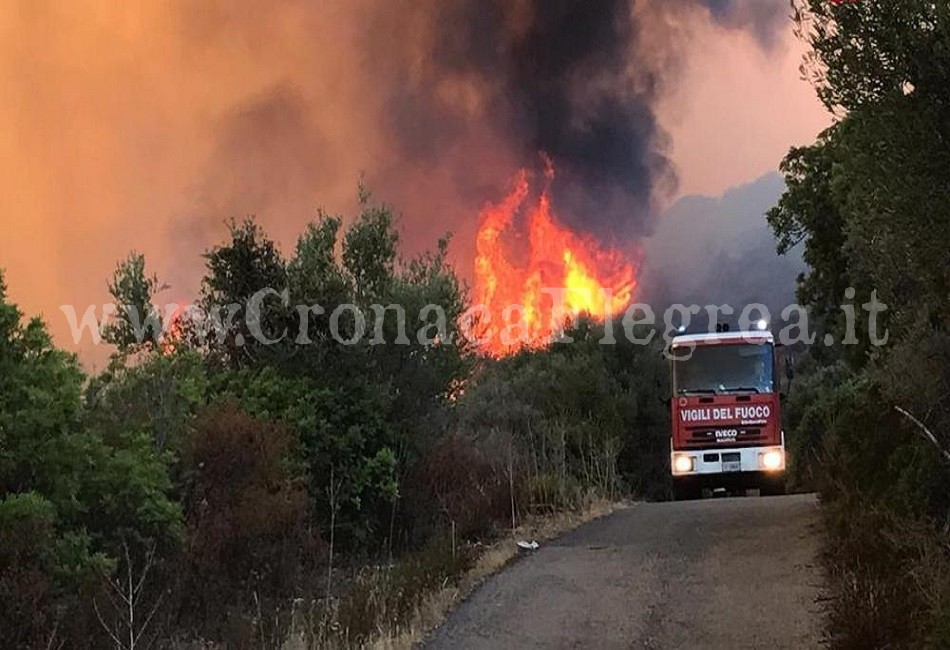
pixel 558 273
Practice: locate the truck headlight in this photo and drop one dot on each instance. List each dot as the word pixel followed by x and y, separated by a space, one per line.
pixel 773 459
pixel 683 464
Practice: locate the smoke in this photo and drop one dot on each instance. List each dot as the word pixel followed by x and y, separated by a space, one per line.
pixel 146 125
pixel 578 81
pixel 457 96
pixel 715 251
pixel 763 18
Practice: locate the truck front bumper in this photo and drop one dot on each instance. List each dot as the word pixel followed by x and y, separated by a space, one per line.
pixel 727 461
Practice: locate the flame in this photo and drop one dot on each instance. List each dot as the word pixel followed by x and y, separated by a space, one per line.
pixel 174 327
pixel 561 273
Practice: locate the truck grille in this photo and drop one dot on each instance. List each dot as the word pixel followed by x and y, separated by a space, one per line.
pixel 722 436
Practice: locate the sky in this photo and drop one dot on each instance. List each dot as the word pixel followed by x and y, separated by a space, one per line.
pixel 147 125
pixel 738 110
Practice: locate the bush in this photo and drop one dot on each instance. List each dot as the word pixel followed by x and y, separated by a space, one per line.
pixel 549 493
pixel 458 483
pixel 246 515
pixel 880 484
pixel 27 566
pixel 45 575
pixel 889 578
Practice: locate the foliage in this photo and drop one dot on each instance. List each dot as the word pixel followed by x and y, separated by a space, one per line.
pixel 358 409
pixel 344 438
pixel 138 325
pixel 870 201
pixel 69 497
pixel 245 501
pixel 42 567
pixel 865 53
pixel 573 410
pixel 807 213
pixel 806 414
pixel 243 474
pixel 237 272
pixel 158 397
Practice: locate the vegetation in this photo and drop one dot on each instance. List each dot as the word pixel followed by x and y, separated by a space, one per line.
pixel 210 488
pixel 870 202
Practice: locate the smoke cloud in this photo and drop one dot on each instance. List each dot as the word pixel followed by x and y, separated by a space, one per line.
pixel 146 125
pixel 577 81
pixel 764 18
pixel 547 77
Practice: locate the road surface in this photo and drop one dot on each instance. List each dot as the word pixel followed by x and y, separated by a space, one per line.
pixel 717 573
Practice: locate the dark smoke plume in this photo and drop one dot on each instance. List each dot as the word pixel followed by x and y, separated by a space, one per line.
pixel 567 78
pixel 469 91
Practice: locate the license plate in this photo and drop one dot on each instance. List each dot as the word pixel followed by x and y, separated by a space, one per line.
pixel 732 466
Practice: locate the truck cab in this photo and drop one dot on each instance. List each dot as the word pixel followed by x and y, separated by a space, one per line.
pixel 726 420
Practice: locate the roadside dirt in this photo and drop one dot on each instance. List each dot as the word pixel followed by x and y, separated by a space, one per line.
pixel 716 573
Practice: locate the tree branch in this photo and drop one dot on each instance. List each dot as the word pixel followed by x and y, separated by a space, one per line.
pixel 105 626
pixel 926 433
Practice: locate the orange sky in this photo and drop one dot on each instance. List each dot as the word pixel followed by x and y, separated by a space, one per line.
pixel 123 126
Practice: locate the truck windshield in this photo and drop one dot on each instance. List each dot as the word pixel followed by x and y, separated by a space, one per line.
pixel 725 368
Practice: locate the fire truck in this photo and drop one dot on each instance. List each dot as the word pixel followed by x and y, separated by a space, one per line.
pixel 726 422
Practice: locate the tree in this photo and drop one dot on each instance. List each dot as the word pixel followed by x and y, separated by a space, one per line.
pixel 808 213
pixel 316 279
pixel 158 397
pixel 369 252
pixel 71 496
pixel 138 326
pixel 871 201
pixel 869 52
pixel 250 263
pixel 377 402
pixel 884 66
pixel 40 407
pixel 424 373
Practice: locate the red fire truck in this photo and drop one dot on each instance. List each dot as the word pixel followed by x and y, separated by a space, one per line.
pixel 726 428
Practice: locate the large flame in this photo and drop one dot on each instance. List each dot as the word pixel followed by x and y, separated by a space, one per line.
pixel 558 274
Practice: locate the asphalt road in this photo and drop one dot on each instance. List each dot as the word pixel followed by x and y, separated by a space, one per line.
pixel 717 573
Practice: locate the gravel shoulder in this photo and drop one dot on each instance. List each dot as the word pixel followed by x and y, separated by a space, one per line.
pixel 716 573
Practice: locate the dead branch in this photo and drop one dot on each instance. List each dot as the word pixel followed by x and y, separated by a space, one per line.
pixel 925 433
pixel 127 607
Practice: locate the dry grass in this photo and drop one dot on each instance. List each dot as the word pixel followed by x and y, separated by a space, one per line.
pixel 888 579
pixel 396 607
pixel 491 559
